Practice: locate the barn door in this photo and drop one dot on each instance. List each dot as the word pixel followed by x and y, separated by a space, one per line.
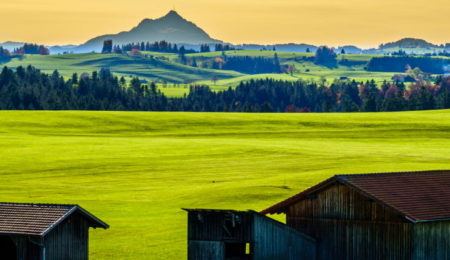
pixel 205 250
pixel 8 249
pixel 33 251
pixel 238 251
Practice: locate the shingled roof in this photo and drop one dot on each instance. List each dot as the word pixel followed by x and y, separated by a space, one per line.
pixel 39 219
pixel 418 196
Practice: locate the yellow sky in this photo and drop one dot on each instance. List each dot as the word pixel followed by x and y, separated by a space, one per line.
pixel 364 23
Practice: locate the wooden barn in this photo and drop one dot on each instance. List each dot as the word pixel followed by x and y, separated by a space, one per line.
pixel 375 216
pixel 45 231
pixel 239 235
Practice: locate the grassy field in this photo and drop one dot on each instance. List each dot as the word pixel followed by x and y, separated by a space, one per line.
pixel 137 170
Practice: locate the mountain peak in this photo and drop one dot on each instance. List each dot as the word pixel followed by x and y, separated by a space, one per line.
pixel 172 15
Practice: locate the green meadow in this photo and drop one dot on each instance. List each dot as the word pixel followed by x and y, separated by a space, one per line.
pixel 137 170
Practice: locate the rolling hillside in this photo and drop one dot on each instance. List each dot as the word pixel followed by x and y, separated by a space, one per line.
pixel 174 78
pixel 123 65
pixel 137 170
pixel 165 67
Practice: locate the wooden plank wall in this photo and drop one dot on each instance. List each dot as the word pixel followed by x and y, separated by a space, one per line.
pixel 209 226
pixel 26 250
pixel 431 241
pixel 274 240
pixel 69 240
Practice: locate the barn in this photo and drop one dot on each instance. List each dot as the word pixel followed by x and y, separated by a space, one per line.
pixel 399 215
pixel 45 231
pixel 403 215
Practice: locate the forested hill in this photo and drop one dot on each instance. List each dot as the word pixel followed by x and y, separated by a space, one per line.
pixel 28 88
pixel 406 43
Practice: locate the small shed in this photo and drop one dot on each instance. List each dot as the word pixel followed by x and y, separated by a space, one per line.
pixel 239 235
pixel 45 231
pixel 402 216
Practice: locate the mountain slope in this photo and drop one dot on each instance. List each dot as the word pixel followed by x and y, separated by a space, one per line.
pixel 171 27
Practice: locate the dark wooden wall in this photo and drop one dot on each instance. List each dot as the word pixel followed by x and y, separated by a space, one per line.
pixel 27 247
pixel 431 241
pixel 274 240
pixel 218 226
pixel 69 240
pixel 347 225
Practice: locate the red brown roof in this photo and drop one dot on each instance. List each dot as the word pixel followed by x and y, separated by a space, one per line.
pixel 418 196
pixel 38 219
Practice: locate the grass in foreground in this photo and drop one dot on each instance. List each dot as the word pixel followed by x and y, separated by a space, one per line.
pixel 136 170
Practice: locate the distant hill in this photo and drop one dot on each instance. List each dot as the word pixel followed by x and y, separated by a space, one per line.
pixel 62 49
pixel 171 27
pixel 409 43
pixel 349 49
pixel 11 45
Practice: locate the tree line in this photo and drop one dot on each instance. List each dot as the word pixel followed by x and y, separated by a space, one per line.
pixel 400 63
pixel 268 95
pixel 29 89
pixel 244 64
pixel 161 46
pixel 27 48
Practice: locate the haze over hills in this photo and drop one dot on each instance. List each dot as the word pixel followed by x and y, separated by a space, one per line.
pixel 174 28
pixel 10 45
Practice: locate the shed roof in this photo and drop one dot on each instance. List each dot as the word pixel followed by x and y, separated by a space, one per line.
pixel 418 196
pixel 39 219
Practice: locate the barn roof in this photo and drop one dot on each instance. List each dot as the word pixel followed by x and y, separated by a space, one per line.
pixel 418 196
pixel 39 219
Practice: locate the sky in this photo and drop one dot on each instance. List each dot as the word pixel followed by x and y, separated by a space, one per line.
pixel 365 23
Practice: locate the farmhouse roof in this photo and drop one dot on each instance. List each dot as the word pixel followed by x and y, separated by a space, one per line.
pixel 417 196
pixel 39 219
